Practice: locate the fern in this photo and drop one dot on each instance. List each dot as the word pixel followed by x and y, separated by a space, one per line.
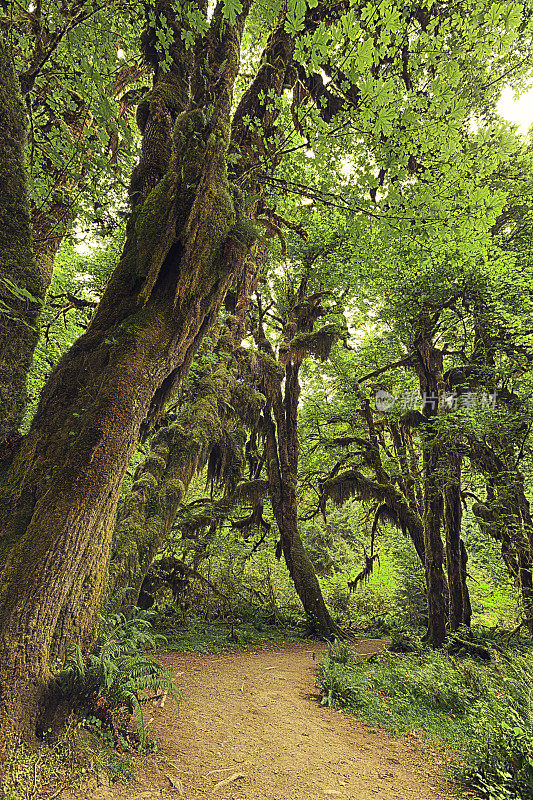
pixel 117 675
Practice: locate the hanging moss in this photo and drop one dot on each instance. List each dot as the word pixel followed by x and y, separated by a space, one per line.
pixel 413 419
pixel 385 513
pixel 225 463
pixel 161 437
pixel 210 516
pixel 245 232
pixel 172 493
pixel 254 521
pixel 247 402
pixel 154 464
pixel 317 344
pixel 267 372
pixel 253 491
pixel 365 574
pixel 348 484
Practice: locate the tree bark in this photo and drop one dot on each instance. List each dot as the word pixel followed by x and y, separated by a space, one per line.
pixel 284 505
pixel 146 515
pixel 436 586
pixel 429 370
pixel 59 492
pixel 282 452
pixel 19 269
pixel 179 450
pixel 459 609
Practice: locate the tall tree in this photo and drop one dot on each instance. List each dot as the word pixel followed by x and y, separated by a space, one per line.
pixel 188 236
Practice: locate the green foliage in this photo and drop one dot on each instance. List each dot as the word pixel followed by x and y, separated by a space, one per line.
pixel 410 592
pixel 483 710
pixel 499 762
pixel 62 764
pixel 42 773
pixel 251 628
pixel 117 675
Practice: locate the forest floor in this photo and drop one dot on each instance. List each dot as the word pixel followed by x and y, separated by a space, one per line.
pixel 251 728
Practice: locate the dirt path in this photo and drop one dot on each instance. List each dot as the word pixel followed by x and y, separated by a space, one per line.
pixel 251 729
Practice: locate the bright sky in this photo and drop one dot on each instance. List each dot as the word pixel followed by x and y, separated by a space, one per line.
pixel 519 111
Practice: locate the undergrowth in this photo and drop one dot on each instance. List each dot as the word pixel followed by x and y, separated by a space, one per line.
pixel 199 635
pixel 65 763
pixel 482 710
pixel 112 682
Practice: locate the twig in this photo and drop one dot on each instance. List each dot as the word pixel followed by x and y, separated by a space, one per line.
pixel 231 778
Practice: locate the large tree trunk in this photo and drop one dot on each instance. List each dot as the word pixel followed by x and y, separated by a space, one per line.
pixel 284 505
pixel 19 269
pixel 429 370
pixel 436 585
pixel 178 451
pixel 59 493
pixel 181 449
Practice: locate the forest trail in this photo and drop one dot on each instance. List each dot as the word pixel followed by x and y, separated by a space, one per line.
pixel 250 728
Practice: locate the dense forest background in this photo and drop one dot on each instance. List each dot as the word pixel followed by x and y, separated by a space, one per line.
pixel 266 322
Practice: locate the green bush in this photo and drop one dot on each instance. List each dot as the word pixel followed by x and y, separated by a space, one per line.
pixel 499 762
pixel 116 677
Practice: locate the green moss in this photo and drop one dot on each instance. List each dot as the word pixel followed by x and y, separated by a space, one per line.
pixel 164 93
pixel 150 223
pixel 245 232
pixel 20 272
pixel 146 484
pixel 161 438
pixel 171 493
pixel 317 344
pixel 154 464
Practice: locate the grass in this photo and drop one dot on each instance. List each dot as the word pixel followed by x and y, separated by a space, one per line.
pixel 482 712
pixel 200 636
pixel 62 764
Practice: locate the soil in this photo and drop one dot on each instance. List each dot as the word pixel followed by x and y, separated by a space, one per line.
pixel 251 728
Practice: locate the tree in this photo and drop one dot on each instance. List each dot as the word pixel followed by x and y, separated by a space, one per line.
pixel 170 282
pixel 71 163
pixel 188 237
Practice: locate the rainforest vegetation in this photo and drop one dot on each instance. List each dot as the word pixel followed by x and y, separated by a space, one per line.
pixel 266 335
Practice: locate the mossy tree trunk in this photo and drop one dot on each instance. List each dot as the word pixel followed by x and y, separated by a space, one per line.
pixel 429 371
pixel 20 275
pixel 281 451
pixel 282 483
pixel 180 449
pixel 59 492
pixel 459 608
pixel 51 219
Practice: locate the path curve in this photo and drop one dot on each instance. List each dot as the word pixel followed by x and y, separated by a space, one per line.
pixel 250 728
